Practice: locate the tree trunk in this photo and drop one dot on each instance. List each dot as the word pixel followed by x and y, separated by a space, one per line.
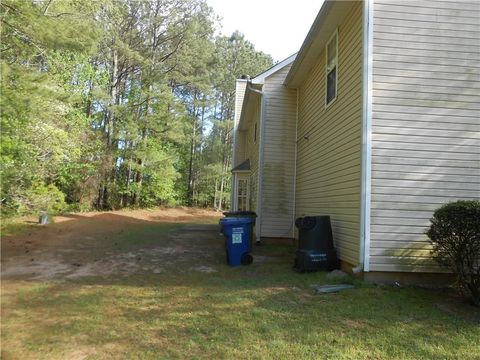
pixel 103 201
pixel 215 195
pixel 220 195
pixel 192 153
pixel 190 167
pixel 113 99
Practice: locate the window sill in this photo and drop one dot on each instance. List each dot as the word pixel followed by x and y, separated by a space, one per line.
pixel 331 102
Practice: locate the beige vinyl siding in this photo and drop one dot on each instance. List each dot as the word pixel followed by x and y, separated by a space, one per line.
pixel 244 147
pixel 329 141
pixel 239 144
pixel 249 149
pixel 278 157
pixel 425 123
pixel 251 152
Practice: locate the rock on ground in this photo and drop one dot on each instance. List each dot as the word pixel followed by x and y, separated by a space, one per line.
pixel 336 274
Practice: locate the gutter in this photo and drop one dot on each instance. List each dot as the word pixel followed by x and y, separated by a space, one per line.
pixel 366 180
pixel 258 226
pixel 307 43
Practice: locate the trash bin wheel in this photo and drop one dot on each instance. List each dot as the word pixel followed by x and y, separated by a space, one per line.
pixel 247 259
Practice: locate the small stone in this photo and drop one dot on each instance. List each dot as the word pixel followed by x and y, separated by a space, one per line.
pixel 326 289
pixel 336 274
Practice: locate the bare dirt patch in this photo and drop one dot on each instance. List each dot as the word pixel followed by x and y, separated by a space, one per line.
pixel 105 244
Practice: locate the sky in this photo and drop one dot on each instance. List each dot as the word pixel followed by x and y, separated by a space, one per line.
pixel 276 27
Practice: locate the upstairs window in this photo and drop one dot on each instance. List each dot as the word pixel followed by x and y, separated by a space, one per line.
pixel 332 69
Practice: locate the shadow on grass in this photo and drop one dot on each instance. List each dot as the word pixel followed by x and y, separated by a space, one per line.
pixel 261 310
pixel 223 313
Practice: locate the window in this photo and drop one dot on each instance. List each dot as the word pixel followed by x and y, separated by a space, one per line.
pixel 332 69
pixel 242 197
pixel 255 133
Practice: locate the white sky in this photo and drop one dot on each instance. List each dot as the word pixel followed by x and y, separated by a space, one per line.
pixel 277 27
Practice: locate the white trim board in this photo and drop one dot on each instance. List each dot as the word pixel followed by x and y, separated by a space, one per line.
pixel 260 78
pixel 364 258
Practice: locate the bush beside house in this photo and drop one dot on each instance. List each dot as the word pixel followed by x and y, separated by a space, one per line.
pixel 455 236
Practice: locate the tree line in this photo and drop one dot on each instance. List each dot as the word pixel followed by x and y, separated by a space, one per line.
pixel 111 104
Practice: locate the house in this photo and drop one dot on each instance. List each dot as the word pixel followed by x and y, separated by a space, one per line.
pixel 376 123
pixel 264 151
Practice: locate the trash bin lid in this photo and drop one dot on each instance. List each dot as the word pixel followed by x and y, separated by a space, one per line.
pixel 236 220
pixel 240 213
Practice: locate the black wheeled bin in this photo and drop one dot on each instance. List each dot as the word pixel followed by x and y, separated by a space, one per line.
pixel 315 244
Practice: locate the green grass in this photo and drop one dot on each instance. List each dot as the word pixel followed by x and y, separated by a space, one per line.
pixel 14 226
pixel 261 311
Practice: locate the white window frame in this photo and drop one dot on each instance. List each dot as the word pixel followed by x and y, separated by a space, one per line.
pixel 334 35
pixel 238 178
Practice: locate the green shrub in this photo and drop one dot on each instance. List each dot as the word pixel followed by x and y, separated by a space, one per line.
pixel 78 207
pixel 41 198
pixel 455 235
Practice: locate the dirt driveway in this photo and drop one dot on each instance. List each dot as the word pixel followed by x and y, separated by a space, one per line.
pixel 116 244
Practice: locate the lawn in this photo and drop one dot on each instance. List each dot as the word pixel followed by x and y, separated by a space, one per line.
pixel 151 286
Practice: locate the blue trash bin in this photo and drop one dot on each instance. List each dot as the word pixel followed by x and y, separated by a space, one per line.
pixel 238 235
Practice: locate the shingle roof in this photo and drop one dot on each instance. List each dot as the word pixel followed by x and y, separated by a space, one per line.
pixel 244 166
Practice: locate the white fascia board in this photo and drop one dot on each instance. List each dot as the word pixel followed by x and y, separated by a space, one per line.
pixel 260 79
pixel 329 17
pixel 308 41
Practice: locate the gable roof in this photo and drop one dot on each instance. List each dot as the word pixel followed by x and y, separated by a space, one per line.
pixel 260 78
pixel 244 166
pixel 327 20
pixel 252 93
pixel 254 90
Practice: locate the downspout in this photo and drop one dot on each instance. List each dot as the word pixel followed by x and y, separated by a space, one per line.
pixel 233 204
pixel 258 225
pixel 295 170
pixel 364 258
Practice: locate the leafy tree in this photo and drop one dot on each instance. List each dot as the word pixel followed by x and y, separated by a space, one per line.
pixel 38 117
pixel 235 56
pixel 109 104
